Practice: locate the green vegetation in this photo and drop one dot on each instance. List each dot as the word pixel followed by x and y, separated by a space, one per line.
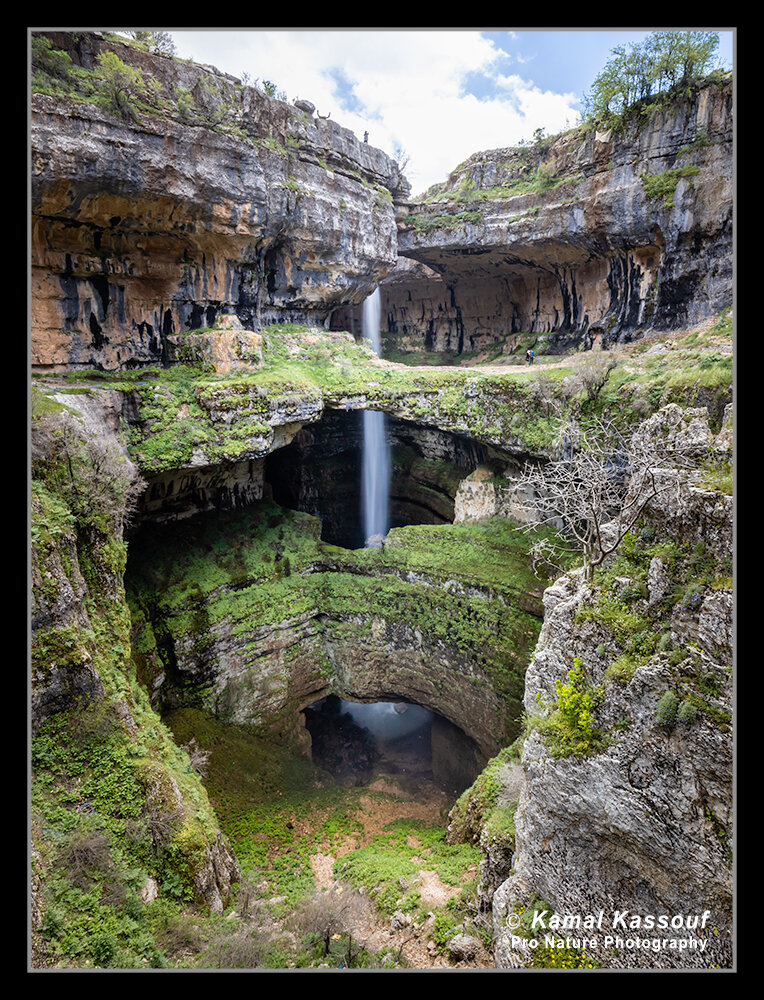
pixel 119 85
pixel 482 806
pixel 426 223
pixel 158 42
pixel 663 185
pixel 568 729
pixel 525 174
pixel 279 812
pixel 123 89
pixel 110 813
pixel 645 74
pixel 301 366
pixel 387 868
pixel 184 583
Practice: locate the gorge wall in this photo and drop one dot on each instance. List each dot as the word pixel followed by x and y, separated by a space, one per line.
pixel 147 229
pixel 589 236
pixel 193 543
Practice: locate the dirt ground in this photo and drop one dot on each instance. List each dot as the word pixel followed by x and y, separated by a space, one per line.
pixel 413 944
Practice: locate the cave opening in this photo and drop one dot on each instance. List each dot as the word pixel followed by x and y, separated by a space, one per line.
pixel 320 473
pixel 359 742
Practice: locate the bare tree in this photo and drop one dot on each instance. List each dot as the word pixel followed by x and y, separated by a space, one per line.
pixel 198 757
pixel 595 489
pixel 333 915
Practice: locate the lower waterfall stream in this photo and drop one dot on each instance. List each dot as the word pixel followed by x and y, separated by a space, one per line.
pixel 375 483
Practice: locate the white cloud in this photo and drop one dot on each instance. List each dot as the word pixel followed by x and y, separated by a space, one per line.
pixel 409 83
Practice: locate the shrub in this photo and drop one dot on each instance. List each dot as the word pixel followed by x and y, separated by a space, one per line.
pixel 83 855
pixel 666 712
pixel 663 62
pixel 686 714
pixel 569 730
pixel 54 63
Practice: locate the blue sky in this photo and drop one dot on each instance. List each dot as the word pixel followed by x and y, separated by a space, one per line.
pixel 435 95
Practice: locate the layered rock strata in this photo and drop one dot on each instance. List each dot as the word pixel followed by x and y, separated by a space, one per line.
pixel 80 679
pixel 643 825
pixel 250 617
pixel 147 229
pixel 592 236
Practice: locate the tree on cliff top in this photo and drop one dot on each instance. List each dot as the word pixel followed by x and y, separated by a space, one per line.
pixel 158 42
pixel 118 84
pixel 665 62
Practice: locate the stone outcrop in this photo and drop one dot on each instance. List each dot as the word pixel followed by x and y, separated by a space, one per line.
pixel 589 237
pixel 291 621
pixel 159 239
pixel 147 229
pixel 150 228
pixel 644 824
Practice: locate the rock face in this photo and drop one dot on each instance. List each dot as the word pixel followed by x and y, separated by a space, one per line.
pixel 160 240
pixel 590 236
pixel 320 473
pixel 145 230
pixel 81 630
pixel 291 621
pixel 148 229
pixel 645 824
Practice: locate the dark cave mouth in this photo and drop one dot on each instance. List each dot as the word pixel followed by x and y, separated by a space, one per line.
pixel 357 743
pixel 320 473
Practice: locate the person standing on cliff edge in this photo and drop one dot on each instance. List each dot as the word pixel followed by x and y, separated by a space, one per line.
pixel 366 137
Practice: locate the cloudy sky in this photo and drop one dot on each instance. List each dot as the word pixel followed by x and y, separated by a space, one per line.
pixel 435 95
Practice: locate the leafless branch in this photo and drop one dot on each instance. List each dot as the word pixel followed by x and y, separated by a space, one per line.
pixel 596 486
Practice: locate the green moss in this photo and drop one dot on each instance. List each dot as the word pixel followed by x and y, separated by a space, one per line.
pixel 231 570
pixel 614 615
pixel 664 184
pixel 102 840
pixel 480 807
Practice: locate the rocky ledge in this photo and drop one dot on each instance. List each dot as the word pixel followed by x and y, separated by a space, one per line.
pixel 587 236
pixel 638 819
pixel 151 227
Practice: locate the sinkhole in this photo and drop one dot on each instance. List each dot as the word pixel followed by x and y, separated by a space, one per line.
pixel 320 473
pixel 359 742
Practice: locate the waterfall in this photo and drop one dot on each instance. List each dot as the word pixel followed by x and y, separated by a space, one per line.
pixel 375 486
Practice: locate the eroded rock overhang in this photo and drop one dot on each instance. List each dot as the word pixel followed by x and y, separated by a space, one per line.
pixel 146 229
pixel 366 626
pixel 614 234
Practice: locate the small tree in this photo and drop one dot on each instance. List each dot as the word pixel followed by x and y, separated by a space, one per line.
pixel 328 920
pixel 119 84
pixel 595 489
pixel 159 42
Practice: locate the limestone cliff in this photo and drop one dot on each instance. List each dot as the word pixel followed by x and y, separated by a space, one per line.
pixel 171 248
pixel 153 226
pixel 641 822
pixel 585 237
pixel 94 734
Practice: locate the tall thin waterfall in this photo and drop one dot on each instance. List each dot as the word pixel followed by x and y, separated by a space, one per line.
pixel 375 486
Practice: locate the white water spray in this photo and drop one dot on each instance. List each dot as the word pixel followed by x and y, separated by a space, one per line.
pixel 375 486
